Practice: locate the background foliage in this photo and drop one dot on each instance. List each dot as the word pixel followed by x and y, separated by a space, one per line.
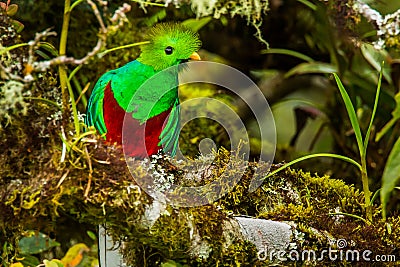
pixel 290 48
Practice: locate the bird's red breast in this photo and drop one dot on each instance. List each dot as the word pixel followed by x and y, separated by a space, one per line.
pixel 138 140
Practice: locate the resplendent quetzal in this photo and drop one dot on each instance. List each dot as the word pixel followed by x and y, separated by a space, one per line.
pixel 116 94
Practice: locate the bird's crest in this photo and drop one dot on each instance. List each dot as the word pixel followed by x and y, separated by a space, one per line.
pixel 169 44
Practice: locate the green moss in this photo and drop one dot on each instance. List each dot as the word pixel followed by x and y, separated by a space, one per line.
pixel 294 196
pixel 43 189
pixel 93 185
pixel 252 11
pixel 393 42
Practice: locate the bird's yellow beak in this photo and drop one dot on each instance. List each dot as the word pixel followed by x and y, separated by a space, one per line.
pixel 195 56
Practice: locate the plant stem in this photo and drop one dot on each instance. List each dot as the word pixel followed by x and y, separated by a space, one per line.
pixel 74 110
pixel 365 184
pixel 62 51
pixel 75 4
pixel 45 101
pixel 9 48
pixel 363 153
pixel 121 47
pixel 348 214
pixel 66 90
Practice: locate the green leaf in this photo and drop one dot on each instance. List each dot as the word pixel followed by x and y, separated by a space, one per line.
pixel 91 235
pixel 391 175
pixel 378 90
pixel 196 24
pixel 352 115
pixel 53 263
pixel 100 55
pixel 311 67
pixel 29 260
pixel 160 15
pixel 36 243
pixel 49 48
pixel 287 52
pixel 224 21
pixel 396 111
pixel 309 4
pixel 375 57
pixel 42 54
pixel 171 263
pixel 317 155
pixel 9 48
pixel 17 25
pixel 12 10
pixel 76 3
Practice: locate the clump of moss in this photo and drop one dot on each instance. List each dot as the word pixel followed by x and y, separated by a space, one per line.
pixel 251 10
pixel 50 177
pixel 12 64
pixel 196 236
pixel 45 168
pixel 8 34
pixel 317 206
pixel 314 205
pixel 91 184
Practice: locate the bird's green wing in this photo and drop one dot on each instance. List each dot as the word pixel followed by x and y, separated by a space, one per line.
pixel 169 136
pixel 124 82
pixel 94 112
pixel 155 96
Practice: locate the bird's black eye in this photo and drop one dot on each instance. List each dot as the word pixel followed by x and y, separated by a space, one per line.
pixel 168 50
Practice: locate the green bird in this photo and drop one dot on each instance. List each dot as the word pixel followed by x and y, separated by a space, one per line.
pixel 145 119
